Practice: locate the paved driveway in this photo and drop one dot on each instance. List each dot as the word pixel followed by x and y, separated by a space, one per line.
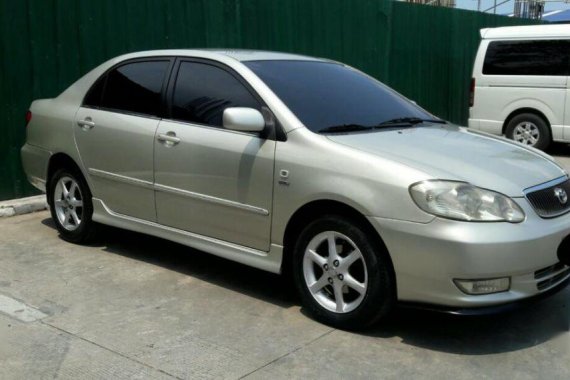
pixel 134 306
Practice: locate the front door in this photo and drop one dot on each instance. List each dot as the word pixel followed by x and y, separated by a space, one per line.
pixel 208 180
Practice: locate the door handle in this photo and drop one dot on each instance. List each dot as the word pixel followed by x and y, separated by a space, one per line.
pixel 86 124
pixel 168 138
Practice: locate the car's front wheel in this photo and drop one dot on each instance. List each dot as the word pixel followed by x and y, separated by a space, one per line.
pixel 343 275
pixel 71 206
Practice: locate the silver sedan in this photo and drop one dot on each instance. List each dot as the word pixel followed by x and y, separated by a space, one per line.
pixel 308 167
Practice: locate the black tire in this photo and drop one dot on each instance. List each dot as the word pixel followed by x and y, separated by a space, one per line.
pixel 545 135
pixel 380 295
pixel 87 229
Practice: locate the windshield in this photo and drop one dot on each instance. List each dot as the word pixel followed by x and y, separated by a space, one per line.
pixel 326 95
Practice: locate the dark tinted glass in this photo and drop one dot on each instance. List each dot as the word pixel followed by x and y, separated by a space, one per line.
pixel 135 87
pixel 93 97
pixel 323 94
pixel 548 57
pixel 202 93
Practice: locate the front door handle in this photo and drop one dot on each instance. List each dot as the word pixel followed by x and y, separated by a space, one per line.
pixel 86 124
pixel 169 138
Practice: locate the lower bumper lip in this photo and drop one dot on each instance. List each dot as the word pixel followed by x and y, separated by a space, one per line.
pixel 487 310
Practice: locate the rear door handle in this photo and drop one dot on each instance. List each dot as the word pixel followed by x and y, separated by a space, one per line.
pixel 168 138
pixel 86 124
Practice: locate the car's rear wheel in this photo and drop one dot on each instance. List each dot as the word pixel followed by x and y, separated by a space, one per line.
pixel 71 206
pixel 344 277
pixel 529 129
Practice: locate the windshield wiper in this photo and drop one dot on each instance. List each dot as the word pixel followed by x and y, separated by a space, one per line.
pixel 399 122
pixel 345 128
pixel 409 121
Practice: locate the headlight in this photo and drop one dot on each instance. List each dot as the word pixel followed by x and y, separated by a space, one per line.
pixel 462 201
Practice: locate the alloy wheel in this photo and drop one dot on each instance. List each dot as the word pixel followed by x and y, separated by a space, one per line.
pixel 68 203
pixel 335 272
pixel 526 133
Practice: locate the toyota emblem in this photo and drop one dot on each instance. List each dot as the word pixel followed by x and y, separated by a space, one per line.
pixel 560 193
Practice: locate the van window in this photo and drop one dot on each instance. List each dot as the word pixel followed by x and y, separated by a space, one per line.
pixel 539 57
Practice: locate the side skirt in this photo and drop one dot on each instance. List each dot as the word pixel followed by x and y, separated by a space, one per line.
pixel 268 261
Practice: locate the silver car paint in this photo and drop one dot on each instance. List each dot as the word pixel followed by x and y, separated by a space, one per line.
pixel 451 152
pixel 427 257
pixel 118 154
pixel 364 171
pixel 215 182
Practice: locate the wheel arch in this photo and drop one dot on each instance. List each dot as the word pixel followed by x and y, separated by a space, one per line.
pixel 314 209
pixel 520 111
pixel 58 161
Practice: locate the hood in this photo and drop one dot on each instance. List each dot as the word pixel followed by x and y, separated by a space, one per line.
pixel 455 153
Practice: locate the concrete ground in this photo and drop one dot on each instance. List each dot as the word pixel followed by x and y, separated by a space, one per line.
pixel 135 306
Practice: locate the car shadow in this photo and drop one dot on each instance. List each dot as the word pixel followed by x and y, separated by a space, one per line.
pixel 480 335
pixel 519 329
pixel 559 149
pixel 256 283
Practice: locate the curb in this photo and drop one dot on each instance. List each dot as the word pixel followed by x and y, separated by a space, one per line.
pixel 22 206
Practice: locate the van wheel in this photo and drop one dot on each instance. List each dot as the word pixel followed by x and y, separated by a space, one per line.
pixel 529 129
pixel 71 207
pixel 343 277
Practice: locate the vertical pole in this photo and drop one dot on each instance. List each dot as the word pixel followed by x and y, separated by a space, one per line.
pixel 478 5
pixel 495 8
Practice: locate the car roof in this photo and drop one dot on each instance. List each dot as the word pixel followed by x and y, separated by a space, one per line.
pixel 261 55
pixel 529 31
pixel 242 55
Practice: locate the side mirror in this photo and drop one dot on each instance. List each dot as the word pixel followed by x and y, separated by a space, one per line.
pixel 243 119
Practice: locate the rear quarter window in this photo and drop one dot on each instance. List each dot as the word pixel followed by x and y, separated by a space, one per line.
pixel 538 57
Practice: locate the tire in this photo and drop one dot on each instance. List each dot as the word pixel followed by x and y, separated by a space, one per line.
pixel 373 295
pixel 529 129
pixel 78 229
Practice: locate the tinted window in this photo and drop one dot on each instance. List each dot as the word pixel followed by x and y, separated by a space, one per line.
pixel 323 94
pixel 135 87
pixel 202 93
pixel 93 97
pixel 548 57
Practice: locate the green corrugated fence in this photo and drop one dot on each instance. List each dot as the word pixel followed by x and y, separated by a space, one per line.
pixel 424 52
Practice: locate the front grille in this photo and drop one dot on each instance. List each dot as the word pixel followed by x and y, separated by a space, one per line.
pixel 546 203
pixel 551 276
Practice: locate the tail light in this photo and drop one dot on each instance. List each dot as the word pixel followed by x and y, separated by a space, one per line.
pixel 472 93
pixel 28 117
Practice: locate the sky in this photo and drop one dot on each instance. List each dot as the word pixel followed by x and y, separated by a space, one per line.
pixel 507 7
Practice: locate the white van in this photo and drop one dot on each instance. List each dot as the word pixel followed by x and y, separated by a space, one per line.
pixel 520 84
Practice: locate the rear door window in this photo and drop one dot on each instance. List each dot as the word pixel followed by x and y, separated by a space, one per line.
pixel 203 91
pixel 538 57
pixel 132 88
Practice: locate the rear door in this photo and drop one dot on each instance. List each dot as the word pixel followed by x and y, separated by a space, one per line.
pixel 115 129
pixel 209 180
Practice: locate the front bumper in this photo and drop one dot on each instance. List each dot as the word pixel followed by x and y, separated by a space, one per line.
pixel 427 257
pixel 487 310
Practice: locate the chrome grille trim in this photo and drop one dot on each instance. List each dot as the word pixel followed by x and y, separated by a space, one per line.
pixel 543 200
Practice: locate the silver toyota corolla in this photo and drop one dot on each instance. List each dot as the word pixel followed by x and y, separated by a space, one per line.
pixel 304 166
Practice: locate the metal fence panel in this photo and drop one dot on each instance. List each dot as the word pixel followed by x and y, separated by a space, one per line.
pixel 424 52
